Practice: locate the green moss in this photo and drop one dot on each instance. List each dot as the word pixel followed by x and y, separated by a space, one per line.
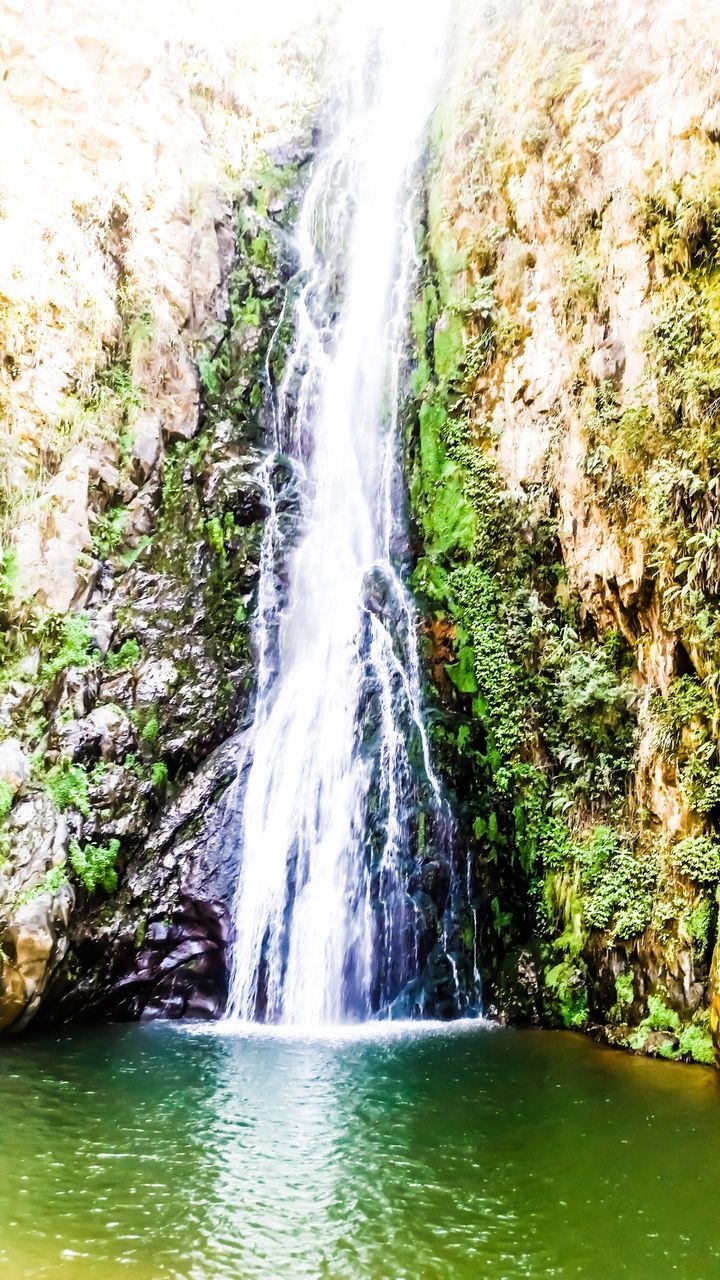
pixel 94 865
pixel 150 730
pixel 215 535
pixel 448 517
pixel 449 346
pixel 159 775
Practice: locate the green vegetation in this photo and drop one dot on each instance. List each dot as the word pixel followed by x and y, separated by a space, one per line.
pixel 685 733
pixel 618 887
pixel 39 640
pixel 67 785
pixel 50 883
pixel 159 775
pixel 698 858
pixel 95 865
pixel 696 1041
pixel 7 796
pixel 109 531
pixel 217 368
pixel 657 463
pixel 126 657
pixel 566 986
pixel 697 922
pixel 150 730
pixel 8 577
pixel 536 723
pixel 71 644
pixel 624 996
pixel 660 1017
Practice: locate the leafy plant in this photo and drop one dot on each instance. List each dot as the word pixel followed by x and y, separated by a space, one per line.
pixel 126 657
pixel 697 923
pixel 624 995
pixel 109 531
pixel 700 781
pixel 617 886
pixel 660 1017
pixel 94 865
pixel 159 775
pixel 67 786
pixel 698 858
pixel 696 1041
pixel 150 730
pixel 8 574
pixel 567 988
pixel 686 703
pixel 75 646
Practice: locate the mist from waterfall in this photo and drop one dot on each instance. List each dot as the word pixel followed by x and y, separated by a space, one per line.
pixel 338 789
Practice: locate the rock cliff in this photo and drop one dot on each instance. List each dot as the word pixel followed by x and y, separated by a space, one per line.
pixel 564 484
pixel 561 438
pixel 142 269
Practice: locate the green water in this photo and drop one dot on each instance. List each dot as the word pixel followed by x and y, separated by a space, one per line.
pixel 151 1151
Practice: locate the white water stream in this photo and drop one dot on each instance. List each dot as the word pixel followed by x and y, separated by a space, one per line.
pixel 325 924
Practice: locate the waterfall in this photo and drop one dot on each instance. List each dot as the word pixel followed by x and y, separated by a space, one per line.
pixel 338 791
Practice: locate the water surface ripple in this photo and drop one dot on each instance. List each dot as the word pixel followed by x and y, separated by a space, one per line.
pixel 150 1152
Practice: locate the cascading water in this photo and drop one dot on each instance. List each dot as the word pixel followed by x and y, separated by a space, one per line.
pixel 337 791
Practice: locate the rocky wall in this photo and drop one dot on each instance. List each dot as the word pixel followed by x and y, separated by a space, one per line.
pixel 563 459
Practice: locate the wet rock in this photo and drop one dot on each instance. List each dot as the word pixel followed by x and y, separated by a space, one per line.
pixel 233 487
pixel 34 915
pixel 14 764
pixel 156 679
pixel 105 733
pixel 160 949
pixel 516 990
pixel 657 1044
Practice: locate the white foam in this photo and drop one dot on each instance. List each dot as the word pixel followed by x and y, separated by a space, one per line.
pixel 339 1033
